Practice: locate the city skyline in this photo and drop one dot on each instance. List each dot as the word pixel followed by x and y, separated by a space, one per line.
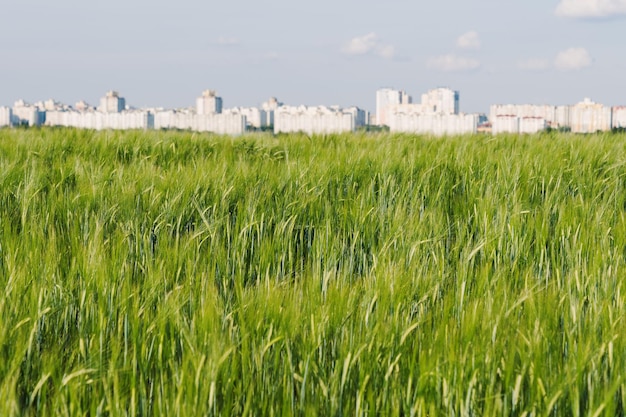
pixel 161 53
pixel 437 113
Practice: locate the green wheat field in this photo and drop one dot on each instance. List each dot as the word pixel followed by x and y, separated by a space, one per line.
pixel 181 274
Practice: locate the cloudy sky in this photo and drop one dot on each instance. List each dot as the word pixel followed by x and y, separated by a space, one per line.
pixel 164 52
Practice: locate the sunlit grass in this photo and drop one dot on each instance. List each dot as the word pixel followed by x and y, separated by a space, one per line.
pixel 170 273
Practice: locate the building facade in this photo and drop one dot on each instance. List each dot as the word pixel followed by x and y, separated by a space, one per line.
pixel 255 118
pixel 441 101
pixel 24 114
pixel 386 99
pixel 209 103
pixel 590 117
pixel 6 114
pixel 437 114
pixel 555 116
pixel 221 124
pixel 269 107
pixel 101 121
pixel 360 116
pixel 504 123
pixel 531 125
pixel 619 117
pixel 314 120
pixel 437 124
pixel 112 103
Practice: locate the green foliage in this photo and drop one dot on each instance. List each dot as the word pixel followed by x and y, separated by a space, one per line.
pixel 180 274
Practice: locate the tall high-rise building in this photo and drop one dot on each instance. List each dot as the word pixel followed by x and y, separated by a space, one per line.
pixel 441 100
pixel 589 117
pixel 25 114
pixel 112 103
pixel 387 98
pixel 270 107
pixel 209 103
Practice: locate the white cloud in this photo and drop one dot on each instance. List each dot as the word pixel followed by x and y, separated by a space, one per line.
pixel 452 63
pixel 386 51
pixel 572 59
pixel 534 64
pixel 369 44
pixel 361 45
pixel 469 40
pixel 591 8
pixel 567 60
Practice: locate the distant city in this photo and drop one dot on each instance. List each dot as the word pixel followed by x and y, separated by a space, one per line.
pixel 437 114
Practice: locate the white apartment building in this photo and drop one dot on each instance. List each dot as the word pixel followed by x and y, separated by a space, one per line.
pixel 619 117
pixel 209 103
pixel 386 98
pixel 438 124
pixel 546 112
pixel 313 120
pixel 255 118
pixel 437 114
pixel 361 117
pixel 5 116
pixel 441 100
pixel 561 117
pixel 221 124
pixel 112 103
pixel 269 107
pixel 27 114
pixel 112 115
pixel 136 119
pixel 510 123
pixel 590 117
pixel 531 125
pixel 555 116
pixel 407 109
pixel 504 123
pixel 208 117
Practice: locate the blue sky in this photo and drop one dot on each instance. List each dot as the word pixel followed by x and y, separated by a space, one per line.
pixel 165 53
